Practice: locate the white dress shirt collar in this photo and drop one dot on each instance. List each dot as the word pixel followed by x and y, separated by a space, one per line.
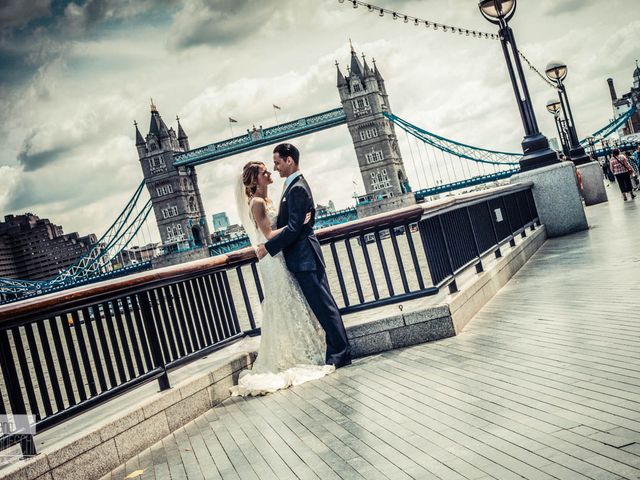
pixel 291 178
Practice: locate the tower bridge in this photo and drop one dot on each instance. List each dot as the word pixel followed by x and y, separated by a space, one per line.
pixel 437 165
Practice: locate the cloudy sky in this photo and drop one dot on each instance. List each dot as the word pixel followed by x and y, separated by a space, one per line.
pixel 74 75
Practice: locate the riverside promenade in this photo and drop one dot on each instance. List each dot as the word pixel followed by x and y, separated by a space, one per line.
pixel 543 383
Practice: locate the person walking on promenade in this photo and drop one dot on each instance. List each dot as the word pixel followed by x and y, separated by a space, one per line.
pixel 635 163
pixel 622 170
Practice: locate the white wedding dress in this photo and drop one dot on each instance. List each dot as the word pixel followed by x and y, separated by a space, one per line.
pixel 292 343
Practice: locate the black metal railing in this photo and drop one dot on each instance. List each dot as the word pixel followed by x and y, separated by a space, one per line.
pixel 414 252
pixel 64 353
pixel 69 351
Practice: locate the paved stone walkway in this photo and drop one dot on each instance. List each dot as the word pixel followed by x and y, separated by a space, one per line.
pixel 544 383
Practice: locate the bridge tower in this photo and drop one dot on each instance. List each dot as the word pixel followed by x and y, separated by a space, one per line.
pixel 175 195
pixel 364 99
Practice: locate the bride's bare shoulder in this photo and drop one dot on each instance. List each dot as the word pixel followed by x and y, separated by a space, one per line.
pixel 257 201
pixel 258 207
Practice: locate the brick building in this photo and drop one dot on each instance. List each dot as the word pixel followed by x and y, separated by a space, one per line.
pixel 33 248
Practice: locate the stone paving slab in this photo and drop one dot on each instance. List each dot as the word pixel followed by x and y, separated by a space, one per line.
pixel 544 383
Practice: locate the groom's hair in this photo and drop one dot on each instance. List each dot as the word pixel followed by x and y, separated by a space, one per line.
pixel 287 150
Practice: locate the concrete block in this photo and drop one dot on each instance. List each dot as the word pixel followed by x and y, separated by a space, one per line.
pixel 73 447
pixel 240 362
pixel 28 469
pixel 193 386
pixel 219 391
pixel 370 344
pixel 593 189
pixel 557 198
pixel 91 464
pixel 376 326
pixel 422 332
pixel 426 314
pixel 186 410
pixel 46 476
pixel 120 424
pixel 161 401
pixel 134 440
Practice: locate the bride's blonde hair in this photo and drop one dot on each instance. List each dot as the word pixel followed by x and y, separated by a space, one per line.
pixel 250 174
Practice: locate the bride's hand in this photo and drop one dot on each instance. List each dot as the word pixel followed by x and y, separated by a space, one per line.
pixel 307 218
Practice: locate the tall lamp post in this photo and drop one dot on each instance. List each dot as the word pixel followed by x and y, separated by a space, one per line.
pixel 557 72
pixel 534 145
pixel 553 107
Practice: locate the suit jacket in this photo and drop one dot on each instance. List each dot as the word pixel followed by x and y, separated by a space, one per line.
pixel 297 241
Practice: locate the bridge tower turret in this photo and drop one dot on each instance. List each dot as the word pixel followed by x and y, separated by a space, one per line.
pixel 174 191
pixel 364 99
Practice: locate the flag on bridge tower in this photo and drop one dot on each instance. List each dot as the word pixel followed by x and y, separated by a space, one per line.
pixel 276 107
pixel 232 120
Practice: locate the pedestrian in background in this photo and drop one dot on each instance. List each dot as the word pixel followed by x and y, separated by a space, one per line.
pixel 620 167
pixel 607 171
pixel 635 163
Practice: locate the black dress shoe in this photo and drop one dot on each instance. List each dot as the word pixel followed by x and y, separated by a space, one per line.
pixel 342 363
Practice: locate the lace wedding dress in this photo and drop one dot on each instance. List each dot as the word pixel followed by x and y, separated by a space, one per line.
pixel 292 344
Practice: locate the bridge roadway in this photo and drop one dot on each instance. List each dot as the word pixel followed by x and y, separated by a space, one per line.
pixel 544 383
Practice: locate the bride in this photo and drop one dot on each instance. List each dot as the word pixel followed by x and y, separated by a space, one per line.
pixel 292 344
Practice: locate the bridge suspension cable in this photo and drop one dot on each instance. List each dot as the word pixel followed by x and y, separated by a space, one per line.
pixel 98 262
pixel 442 165
pixel 612 126
pixel 436 26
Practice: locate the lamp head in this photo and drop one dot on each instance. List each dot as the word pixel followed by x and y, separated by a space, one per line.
pixel 497 10
pixel 556 71
pixel 553 106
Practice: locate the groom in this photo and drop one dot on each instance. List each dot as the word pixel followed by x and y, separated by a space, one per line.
pixel 302 252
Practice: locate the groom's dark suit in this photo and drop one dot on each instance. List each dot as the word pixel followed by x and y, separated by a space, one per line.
pixel 304 259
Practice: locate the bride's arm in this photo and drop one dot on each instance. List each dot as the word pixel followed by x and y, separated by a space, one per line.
pixel 259 212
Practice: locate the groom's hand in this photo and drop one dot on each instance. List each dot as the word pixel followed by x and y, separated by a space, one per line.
pixel 261 251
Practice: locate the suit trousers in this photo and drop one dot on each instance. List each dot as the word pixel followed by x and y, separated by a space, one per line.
pixel 315 287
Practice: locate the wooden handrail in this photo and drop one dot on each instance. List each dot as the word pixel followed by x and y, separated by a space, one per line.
pixel 113 286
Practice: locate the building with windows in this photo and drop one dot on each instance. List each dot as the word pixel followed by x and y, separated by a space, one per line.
pixel 33 248
pixel 364 99
pixel 174 191
pixel 622 104
pixel 220 221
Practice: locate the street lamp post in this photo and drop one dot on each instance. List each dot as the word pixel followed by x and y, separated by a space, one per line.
pixel 557 72
pixel 534 145
pixel 553 106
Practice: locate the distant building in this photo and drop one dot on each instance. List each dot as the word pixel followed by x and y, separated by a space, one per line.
pixel 220 221
pixel 235 231
pixel 325 209
pixel 628 100
pixel 232 232
pixel 33 248
pixel 136 255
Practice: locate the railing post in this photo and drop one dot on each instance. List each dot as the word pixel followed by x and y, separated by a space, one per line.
pixel 154 340
pixel 479 267
pixel 498 252
pixel 512 241
pixel 16 400
pixel 453 286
